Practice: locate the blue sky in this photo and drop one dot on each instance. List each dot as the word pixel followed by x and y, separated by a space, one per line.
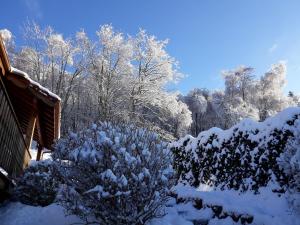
pixel 206 37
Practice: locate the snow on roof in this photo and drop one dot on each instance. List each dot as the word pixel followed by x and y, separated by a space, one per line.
pixel 33 83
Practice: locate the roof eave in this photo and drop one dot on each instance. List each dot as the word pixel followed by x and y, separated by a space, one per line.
pixel 4 62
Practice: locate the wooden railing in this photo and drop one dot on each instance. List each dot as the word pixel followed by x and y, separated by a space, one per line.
pixel 13 151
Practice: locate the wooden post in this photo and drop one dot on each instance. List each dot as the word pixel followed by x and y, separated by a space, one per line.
pixel 28 139
pixel 39 153
pixel 40 141
pixel 29 133
pixel 30 130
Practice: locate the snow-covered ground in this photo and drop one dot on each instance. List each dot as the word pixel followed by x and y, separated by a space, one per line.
pixel 19 214
pixel 33 152
pixel 266 208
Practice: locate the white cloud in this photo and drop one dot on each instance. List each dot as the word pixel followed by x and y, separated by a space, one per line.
pixel 273 48
pixel 34 8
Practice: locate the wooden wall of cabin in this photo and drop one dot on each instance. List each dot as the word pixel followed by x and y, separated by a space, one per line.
pixel 13 151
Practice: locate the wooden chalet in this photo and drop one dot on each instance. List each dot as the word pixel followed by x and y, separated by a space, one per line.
pixel 28 112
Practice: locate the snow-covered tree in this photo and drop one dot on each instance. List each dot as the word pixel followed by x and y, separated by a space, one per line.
pixel 270 96
pixel 129 75
pixel 197 101
pixel 239 82
pixel 9 42
pixel 53 61
pixel 243 97
pixel 154 68
pixel 232 110
pixel 293 99
pixel 109 67
pixel 236 102
pixel 6 36
pixel 179 116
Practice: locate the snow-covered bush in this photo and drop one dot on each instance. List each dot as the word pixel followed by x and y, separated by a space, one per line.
pixel 289 161
pixel 37 186
pixel 114 174
pixel 244 157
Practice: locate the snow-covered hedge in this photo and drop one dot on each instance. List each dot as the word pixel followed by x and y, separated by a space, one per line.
pixel 38 185
pixel 289 161
pixel 244 157
pixel 114 174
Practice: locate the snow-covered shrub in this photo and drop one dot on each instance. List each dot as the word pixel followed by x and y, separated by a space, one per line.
pixel 244 157
pixel 114 174
pixel 37 186
pixel 289 161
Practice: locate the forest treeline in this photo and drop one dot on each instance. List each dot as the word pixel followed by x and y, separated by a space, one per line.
pixel 123 78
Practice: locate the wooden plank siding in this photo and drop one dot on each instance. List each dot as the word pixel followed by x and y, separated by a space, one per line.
pixel 14 154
